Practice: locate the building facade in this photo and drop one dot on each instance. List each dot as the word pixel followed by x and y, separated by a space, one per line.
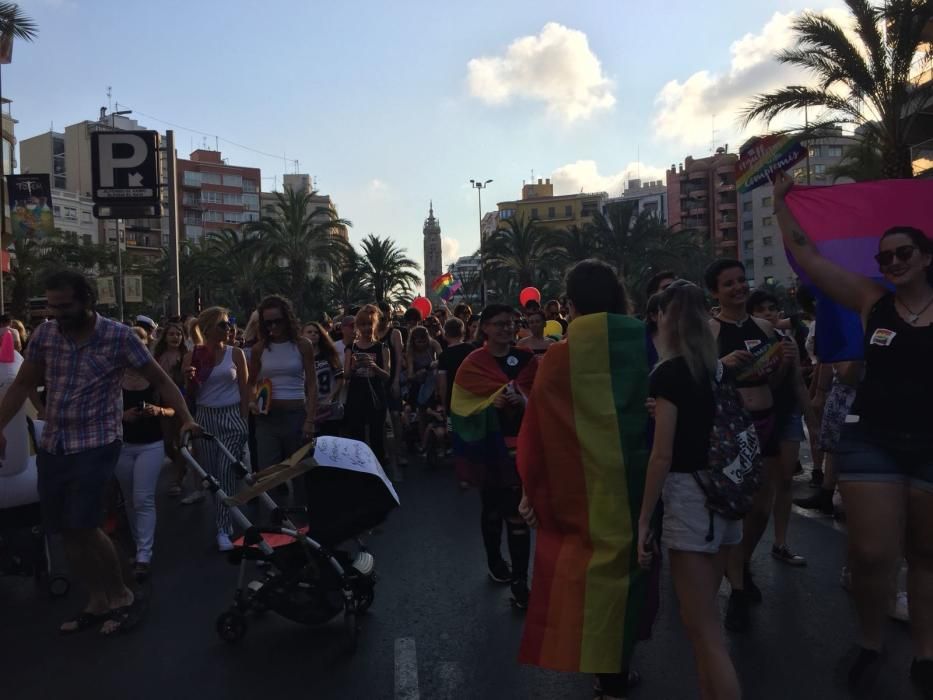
pixel 433 261
pixel 74 216
pixel 540 204
pixel 466 270
pixel 648 197
pixel 702 197
pixel 762 248
pixel 214 195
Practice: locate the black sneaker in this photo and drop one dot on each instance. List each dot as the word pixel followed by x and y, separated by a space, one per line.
pixel 520 594
pixel 737 616
pixel 784 555
pixel 921 673
pixel 816 478
pixel 499 572
pixel 752 592
pixel 822 501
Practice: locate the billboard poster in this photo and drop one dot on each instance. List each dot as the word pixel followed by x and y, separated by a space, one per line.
pixel 133 288
pixel 30 199
pixel 106 292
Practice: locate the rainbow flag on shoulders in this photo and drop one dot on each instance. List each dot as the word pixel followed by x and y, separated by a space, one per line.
pixel 445 286
pixel 582 456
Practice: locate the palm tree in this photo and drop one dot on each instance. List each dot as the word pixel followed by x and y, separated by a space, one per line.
pixel 386 269
pixel 574 244
pixel 291 230
pixel 864 81
pixel 16 25
pixel 518 247
pixel 348 288
pixel 862 161
pixel 237 264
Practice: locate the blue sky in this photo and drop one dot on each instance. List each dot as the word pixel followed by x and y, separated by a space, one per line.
pixel 393 104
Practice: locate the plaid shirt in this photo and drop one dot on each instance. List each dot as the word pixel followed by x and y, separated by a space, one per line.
pixel 83 400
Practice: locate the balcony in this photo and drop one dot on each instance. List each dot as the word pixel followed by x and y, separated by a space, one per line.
pixel 699 193
pixel 697 175
pixel 727 221
pixel 725 186
pixel 727 206
pixel 697 211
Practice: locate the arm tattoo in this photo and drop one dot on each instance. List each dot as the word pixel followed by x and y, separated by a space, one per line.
pixel 799 237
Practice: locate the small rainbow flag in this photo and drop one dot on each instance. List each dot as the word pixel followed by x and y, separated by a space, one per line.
pixel 582 456
pixel 264 396
pixel 761 157
pixel 445 286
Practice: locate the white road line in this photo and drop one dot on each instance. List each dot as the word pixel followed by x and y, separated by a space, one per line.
pixel 406 669
pixel 450 680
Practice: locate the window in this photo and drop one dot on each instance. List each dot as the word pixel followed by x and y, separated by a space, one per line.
pixel 86 239
pixel 568 211
pixel 233 198
pixel 209 197
pixel 834 151
pixel 59 182
pixel 749 265
pixel 766 221
pixel 192 179
pixel 766 201
pixel 231 217
pixel 86 217
pixel 210 178
pixel 251 201
pixel 767 240
pixel 250 216
pixel 590 207
pixel 56 210
pixel 194 233
pixel 193 220
pixel 233 180
pixel 551 212
pixel 249 186
pixel 212 216
pixel 71 213
pixel 534 213
pixel 815 152
pixel 506 213
pixel 819 171
pixel 768 261
pixel 746 206
pixel 748 245
pixel 190 200
pixel 747 225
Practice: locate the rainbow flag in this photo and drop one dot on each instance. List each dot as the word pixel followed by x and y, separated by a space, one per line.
pixel 478 439
pixel 582 456
pixel 445 286
pixel 845 223
pixel 761 157
pixel 264 397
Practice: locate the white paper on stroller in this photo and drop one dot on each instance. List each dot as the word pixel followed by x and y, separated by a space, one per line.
pixel 352 455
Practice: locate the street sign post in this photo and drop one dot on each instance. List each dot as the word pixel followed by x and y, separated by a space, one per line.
pixel 125 174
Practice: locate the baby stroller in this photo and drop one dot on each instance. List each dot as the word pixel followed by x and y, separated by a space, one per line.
pixel 308 579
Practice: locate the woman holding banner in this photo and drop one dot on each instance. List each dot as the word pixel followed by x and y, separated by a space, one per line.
pixel 885 455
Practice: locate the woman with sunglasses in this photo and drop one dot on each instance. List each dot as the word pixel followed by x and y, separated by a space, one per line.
pixel 219 382
pixel 884 458
pixel 284 360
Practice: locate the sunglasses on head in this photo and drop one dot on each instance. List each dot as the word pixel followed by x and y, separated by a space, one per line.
pixel 902 253
pixel 270 322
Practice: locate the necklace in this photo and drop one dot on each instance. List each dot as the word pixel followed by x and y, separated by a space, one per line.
pixel 912 318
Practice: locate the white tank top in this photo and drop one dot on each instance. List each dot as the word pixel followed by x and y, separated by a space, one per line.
pixel 221 388
pixel 283 366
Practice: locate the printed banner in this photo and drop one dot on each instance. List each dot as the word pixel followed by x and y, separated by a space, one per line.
pixel 133 288
pixel 106 291
pixel 845 223
pixel 764 156
pixel 31 205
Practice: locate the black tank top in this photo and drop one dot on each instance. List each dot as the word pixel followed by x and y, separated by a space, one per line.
pixel 363 389
pixel 144 430
pixel 748 336
pixel 896 393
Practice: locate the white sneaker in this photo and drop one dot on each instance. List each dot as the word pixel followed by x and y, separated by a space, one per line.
pixel 899 610
pixel 193 497
pixel 223 542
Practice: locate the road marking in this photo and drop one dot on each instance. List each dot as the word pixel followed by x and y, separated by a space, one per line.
pixel 450 677
pixel 406 669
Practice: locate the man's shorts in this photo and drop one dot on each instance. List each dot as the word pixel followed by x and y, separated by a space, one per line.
pixel 72 487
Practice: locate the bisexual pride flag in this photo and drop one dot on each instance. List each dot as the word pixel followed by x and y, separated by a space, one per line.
pixel 445 286
pixel 845 223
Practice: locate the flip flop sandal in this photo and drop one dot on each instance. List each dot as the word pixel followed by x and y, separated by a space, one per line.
pixel 125 618
pixel 84 621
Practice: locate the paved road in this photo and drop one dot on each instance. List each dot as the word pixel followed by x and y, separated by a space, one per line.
pixel 438 628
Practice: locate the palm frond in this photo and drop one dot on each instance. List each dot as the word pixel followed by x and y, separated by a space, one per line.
pixel 15 23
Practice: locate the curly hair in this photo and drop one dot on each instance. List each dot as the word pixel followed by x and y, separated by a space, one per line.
pixel 274 301
pixel 325 346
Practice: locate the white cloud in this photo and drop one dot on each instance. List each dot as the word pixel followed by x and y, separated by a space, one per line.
pixel 377 185
pixel 556 67
pixel 584 175
pixel 688 111
pixel 450 250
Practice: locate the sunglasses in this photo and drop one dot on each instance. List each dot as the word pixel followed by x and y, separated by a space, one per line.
pixel 270 322
pixel 902 253
pixel 225 325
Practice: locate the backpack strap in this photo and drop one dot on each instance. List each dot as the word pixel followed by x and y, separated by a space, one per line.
pixel 710 532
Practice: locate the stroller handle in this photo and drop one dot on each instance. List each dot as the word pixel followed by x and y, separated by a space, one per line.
pixel 187 437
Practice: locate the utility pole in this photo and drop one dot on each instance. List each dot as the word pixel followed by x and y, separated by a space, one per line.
pixel 480 185
pixel 171 168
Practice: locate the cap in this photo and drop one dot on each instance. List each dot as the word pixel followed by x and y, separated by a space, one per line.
pixel 146 321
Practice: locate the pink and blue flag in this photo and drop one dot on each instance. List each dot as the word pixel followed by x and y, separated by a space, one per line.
pixel 845 223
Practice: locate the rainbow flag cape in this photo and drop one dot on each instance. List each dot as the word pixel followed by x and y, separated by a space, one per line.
pixel 582 456
pixel 478 439
pixel 445 286
pixel 845 223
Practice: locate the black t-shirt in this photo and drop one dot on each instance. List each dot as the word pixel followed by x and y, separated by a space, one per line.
pixel 145 429
pixel 450 361
pixel 510 418
pixel 672 381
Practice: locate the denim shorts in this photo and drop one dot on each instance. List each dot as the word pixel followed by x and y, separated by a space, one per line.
pixel 686 518
pixel 791 428
pixel 864 456
pixel 72 487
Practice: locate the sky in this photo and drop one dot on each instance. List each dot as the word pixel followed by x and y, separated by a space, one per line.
pixel 393 105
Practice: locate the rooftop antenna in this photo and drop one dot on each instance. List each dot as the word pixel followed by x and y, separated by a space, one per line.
pixel 109 101
pixel 216 144
pixel 712 135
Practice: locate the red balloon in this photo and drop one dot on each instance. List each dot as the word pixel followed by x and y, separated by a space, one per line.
pixel 529 294
pixel 423 305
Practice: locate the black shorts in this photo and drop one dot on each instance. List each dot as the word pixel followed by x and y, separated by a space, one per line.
pixel 72 487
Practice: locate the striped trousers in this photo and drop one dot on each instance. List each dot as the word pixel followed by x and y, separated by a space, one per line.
pixel 229 428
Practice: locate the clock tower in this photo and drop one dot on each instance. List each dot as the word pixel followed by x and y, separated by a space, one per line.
pixel 433 264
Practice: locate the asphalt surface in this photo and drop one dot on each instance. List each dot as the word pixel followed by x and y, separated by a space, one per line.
pixel 438 627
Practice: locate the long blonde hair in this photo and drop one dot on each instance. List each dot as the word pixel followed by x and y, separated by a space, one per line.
pixel 210 317
pixel 684 326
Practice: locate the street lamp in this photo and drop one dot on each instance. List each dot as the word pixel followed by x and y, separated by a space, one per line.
pixel 480 185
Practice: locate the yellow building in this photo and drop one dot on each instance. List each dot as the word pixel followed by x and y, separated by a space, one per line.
pixel 539 203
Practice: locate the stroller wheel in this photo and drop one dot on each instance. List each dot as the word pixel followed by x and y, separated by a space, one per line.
pixel 231 626
pixel 59 586
pixel 365 600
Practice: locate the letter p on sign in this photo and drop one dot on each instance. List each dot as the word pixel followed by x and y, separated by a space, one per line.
pixel 109 162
